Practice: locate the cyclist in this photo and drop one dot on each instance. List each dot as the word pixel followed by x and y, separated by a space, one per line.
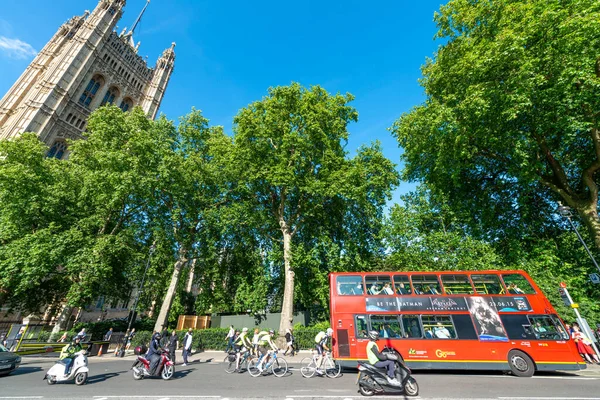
pixel 321 346
pixel 380 360
pixel 241 343
pixel 264 339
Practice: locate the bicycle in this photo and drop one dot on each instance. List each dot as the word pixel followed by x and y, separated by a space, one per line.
pixel 230 361
pixel 309 366
pixel 277 365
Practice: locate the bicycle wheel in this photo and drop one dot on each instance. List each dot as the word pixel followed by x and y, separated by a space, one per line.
pixel 332 368
pixel 253 367
pixel 279 367
pixel 244 364
pixel 308 367
pixel 229 365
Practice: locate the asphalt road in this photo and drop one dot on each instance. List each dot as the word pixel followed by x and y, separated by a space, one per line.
pixel 110 379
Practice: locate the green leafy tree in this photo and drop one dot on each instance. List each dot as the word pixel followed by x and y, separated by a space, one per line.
pixel 295 171
pixel 510 124
pixel 423 234
pixel 195 175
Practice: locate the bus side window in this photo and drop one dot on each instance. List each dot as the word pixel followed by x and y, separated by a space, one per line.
pixel 517 326
pixel 426 284
pixel 412 326
pixel 487 284
pixel 349 285
pixel 438 327
pixel 517 284
pixel 361 327
pixel 379 285
pixel 387 326
pixel 544 328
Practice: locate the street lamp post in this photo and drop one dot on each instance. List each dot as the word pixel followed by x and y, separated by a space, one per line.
pixel 565 211
pixel 137 295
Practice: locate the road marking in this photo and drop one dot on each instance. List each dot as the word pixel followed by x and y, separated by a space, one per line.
pixel 549 398
pixel 23 397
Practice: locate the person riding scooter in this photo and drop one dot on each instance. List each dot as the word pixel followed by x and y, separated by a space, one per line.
pixel 154 352
pixel 381 360
pixel 68 353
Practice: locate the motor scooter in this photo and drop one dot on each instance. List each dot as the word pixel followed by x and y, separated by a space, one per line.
pixel 372 380
pixel 79 370
pixel 165 369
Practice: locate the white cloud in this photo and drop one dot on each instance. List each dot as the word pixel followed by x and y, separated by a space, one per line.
pixel 16 48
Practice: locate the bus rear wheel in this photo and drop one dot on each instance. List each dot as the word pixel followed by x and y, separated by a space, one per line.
pixel 520 364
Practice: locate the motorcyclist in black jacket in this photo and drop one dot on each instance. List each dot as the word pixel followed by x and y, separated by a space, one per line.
pixel 153 354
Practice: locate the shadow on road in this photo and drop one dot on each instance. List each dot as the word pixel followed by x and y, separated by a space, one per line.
pixel 103 377
pixel 182 373
pixel 25 370
pixel 202 361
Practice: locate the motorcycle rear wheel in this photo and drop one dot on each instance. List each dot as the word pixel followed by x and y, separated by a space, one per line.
pixel 167 372
pixel 411 387
pixel 81 378
pixel 364 390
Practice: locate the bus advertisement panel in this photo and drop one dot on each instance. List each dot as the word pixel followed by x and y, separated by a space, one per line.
pixel 455 320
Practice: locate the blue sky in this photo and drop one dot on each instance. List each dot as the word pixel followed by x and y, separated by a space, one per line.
pixel 230 52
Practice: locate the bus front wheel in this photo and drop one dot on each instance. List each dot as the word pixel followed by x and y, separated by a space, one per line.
pixel 520 364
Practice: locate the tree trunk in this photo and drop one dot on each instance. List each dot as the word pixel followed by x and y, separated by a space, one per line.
pixel 589 215
pixel 163 315
pixel 287 309
pixel 190 282
pixel 61 322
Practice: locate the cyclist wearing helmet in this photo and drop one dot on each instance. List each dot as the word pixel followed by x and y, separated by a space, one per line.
pixel 241 343
pixel 380 360
pixel 153 354
pixel 321 346
pixel 264 339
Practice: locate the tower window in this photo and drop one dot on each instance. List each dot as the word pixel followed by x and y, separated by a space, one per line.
pixel 57 150
pixel 110 95
pixel 90 91
pixel 112 11
pixel 126 104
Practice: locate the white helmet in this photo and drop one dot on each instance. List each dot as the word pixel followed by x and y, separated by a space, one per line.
pixel 329 331
pixel 245 329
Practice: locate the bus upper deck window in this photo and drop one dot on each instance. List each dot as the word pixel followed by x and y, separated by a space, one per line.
pixel 402 284
pixel 379 285
pixel 457 284
pixel 517 284
pixel 350 285
pixel 487 284
pixel 426 284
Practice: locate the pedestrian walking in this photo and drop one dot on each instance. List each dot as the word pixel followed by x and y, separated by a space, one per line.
pixel 187 346
pixel 230 337
pixel 130 338
pixel 289 340
pixel 108 335
pixel 255 341
pixel 173 344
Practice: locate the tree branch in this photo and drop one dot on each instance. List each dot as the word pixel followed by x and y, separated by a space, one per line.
pixel 557 169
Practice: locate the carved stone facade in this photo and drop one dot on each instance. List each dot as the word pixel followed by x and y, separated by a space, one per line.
pixel 86 64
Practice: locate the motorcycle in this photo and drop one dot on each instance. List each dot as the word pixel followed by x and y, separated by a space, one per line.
pixel 372 380
pixel 165 369
pixel 79 370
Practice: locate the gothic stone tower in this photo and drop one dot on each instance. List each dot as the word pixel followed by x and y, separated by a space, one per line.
pixel 85 65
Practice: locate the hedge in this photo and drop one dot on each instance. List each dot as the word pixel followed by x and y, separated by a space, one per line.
pixel 214 338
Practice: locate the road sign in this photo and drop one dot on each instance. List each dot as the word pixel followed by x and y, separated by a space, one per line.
pixel 595 278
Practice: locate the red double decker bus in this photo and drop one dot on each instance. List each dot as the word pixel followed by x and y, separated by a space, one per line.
pixel 486 320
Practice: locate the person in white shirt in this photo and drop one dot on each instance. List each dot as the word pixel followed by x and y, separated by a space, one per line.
pixel 441 331
pixel 187 346
pixel 230 336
